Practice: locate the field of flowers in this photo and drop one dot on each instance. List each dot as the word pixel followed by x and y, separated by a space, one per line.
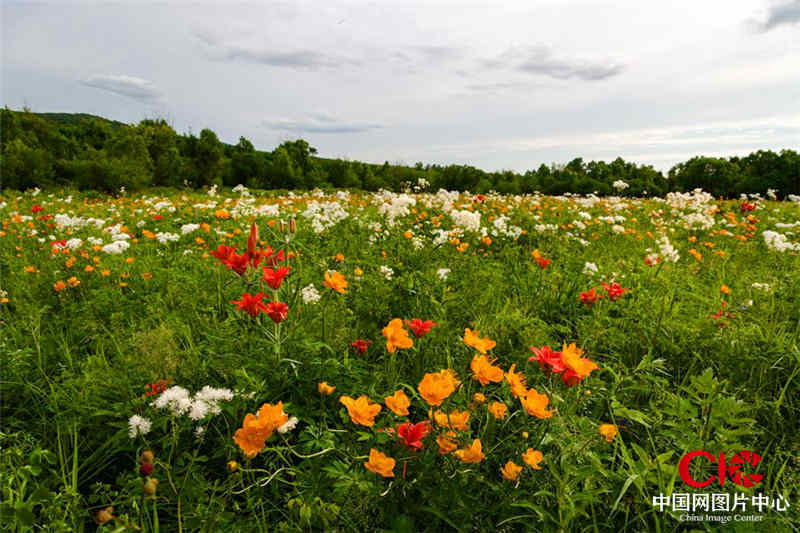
pixel 423 361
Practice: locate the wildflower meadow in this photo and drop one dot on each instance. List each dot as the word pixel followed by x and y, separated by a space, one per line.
pixel 241 360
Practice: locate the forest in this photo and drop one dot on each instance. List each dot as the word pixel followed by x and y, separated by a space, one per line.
pixel 93 153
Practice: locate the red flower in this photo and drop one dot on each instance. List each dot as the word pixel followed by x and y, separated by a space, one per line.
pixel 548 360
pixel 590 297
pixel 60 244
pixel 614 290
pixel 223 253
pixel 479 198
pixel 252 240
pixel 361 345
pixel 274 278
pixel 570 378
pixel 745 207
pixel 277 311
pixel 36 208
pixel 420 328
pixel 145 469
pixel 156 388
pixel 542 262
pixel 271 257
pixel 157 217
pixel 238 263
pixel 252 304
pixel 412 435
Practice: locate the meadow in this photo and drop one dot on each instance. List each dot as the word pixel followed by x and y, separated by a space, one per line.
pixel 242 360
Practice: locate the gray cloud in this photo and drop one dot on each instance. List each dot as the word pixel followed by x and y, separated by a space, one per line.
pixel 299 59
pixel 130 86
pixel 779 15
pixel 541 59
pixel 318 123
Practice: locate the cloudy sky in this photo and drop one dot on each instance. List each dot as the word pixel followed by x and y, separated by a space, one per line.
pixel 499 85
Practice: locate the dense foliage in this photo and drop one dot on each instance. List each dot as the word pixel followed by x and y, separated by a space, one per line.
pixel 237 360
pixel 93 153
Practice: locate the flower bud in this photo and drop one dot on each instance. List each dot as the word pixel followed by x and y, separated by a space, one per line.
pixel 147 457
pixel 292 225
pixel 150 487
pixel 145 469
pixel 232 466
pixel 104 516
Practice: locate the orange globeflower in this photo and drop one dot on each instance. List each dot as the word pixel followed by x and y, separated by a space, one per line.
pixel 380 464
pixel 73 282
pixel 446 443
pixel 478 398
pixel 436 387
pixel 256 430
pixel 362 411
pixel 532 458
pixel 472 454
pixel 398 403
pixel 498 410
pixel 511 471
pixel 484 371
pixel 536 404
pixel 325 389
pixel 455 420
pixel 516 381
pixel 396 336
pixel 609 431
pixel 571 356
pixel 335 281
pixel 471 338
pixel 59 286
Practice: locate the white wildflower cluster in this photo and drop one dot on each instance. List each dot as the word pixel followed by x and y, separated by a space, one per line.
pixel 116 247
pixel 421 185
pixel 764 287
pixel 189 228
pixel 502 227
pixel 466 220
pixel 778 242
pixel 324 215
pixel 616 228
pixel 212 191
pixel 771 194
pixel 668 252
pixel 541 228
pixel 590 269
pixel 696 200
pixel 443 273
pixel 179 402
pixel 387 271
pixel 620 185
pixel 794 198
pixel 783 225
pixel 66 221
pixel 310 294
pixel 242 190
pixel 698 220
pixel 74 243
pixel 165 237
pixel 164 205
pixel 138 425
pixel 394 206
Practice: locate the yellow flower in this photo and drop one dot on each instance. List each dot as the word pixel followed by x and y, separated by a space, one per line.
pixel 73 282
pixel 472 454
pixel 478 398
pixel 484 371
pixel 609 431
pixel 398 403
pixel 436 387
pixel 536 404
pixel 362 411
pixel 256 430
pixel 532 458
pixel 232 466
pixel 511 471
pixel 455 420
pixel 380 464
pixel 471 338
pixel 335 281
pixel 325 389
pixel 396 336
pixel 357 272
pixel 498 410
pixel 516 381
pixel 446 443
pixel 571 355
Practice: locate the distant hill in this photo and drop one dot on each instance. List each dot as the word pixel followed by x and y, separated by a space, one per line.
pixel 76 118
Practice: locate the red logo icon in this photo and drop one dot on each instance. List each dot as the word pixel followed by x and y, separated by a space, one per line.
pixel 725 470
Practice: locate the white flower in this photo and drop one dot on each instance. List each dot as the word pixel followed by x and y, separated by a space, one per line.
pixel 668 252
pixel 387 271
pixel 288 426
pixel 443 273
pixel 779 243
pixel 620 185
pixel 138 425
pixel 188 228
pixel 761 286
pixel 199 432
pixel 590 269
pixel 310 294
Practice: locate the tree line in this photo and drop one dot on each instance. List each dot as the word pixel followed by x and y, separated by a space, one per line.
pixel 92 153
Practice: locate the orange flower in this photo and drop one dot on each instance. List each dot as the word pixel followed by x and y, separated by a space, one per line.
pixel 362 411
pixel 478 398
pixel 59 286
pixel 436 387
pixel 472 454
pixel 536 404
pixel 398 403
pixel 484 371
pixel 30 270
pixel 339 258
pixel 571 355
pixel 725 289
pixel 396 336
pixel 517 382
pixel 455 420
pixel 471 338
pixel 105 272
pixel 325 389
pixel 532 458
pixel 222 213
pixel 609 431
pixel 511 471
pixel 445 442
pixel 256 430
pixel 498 410
pixel 73 282
pixel 380 464
pixel 335 281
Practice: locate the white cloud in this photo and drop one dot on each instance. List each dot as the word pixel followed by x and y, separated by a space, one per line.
pixel 130 86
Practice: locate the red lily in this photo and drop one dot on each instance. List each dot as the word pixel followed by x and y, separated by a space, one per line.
pixel 271 257
pixel 412 435
pixel 277 311
pixel 745 207
pixel 419 327
pixel 251 304
pixel 590 297
pixel 252 240
pixel 614 290
pixel 274 278
pixel 361 345
pixel 36 208
pixel 548 360
pixel 223 252
pixel 238 263
pixel 570 378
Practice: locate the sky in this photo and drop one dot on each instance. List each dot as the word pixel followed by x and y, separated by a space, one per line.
pixel 497 85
